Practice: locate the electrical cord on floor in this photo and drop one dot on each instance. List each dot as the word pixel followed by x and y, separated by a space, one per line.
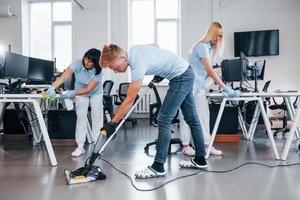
pixel 196 173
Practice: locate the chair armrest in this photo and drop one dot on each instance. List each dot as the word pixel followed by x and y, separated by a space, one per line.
pixel 116 102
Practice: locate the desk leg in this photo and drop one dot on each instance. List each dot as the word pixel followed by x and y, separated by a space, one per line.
pixel 268 127
pixel 254 122
pixel 291 112
pixel 44 132
pixel 213 135
pixel 242 124
pixel 2 108
pixel 289 140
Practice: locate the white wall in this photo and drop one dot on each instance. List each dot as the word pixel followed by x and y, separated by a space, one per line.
pixel 90 26
pixel 11 27
pixel 245 15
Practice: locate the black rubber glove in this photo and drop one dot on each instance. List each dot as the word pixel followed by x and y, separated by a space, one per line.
pixel 157 79
pixel 110 128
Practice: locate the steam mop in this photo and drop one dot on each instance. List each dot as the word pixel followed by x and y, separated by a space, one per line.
pixel 90 172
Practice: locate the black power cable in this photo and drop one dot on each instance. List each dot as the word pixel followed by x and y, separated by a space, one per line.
pixel 196 173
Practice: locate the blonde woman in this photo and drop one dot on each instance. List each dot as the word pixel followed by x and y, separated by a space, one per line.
pixel 201 58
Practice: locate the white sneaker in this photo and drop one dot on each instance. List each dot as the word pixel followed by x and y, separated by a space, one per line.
pixel 214 151
pixel 78 152
pixel 188 151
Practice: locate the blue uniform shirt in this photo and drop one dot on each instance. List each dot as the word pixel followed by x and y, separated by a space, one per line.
pixel 199 51
pixel 148 60
pixel 84 76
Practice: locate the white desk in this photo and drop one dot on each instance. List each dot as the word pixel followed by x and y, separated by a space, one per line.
pixel 293 130
pixel 288 102
pixel 243 97
pixel 33 99
pixel 248 134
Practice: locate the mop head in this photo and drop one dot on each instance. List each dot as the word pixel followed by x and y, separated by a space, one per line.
pixel 84 175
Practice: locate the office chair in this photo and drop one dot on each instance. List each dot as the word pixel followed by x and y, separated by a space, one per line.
pixel 282 106
pixel 107 98
pixel 154 110
pixel 107 87
pixel 118 99
pixel 69 84
pixel 154 106
pixel 249 107
pixel 153 121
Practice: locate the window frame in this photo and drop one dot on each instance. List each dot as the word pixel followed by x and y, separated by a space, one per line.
pixel 53 24
pixel 156 21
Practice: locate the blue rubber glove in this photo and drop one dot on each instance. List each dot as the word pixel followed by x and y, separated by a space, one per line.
pixel 68 94
pixel 230 93
pixel 51 91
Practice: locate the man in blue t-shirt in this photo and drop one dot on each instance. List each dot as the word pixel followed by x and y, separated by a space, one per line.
pixel 149 60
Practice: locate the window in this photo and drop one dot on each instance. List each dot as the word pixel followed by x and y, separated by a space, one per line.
pixel 155 21
pixel 51 31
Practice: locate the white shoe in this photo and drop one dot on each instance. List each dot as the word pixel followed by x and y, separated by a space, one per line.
pixel 78 152
pixel 149 172
pixel 188 151
pixel 214 151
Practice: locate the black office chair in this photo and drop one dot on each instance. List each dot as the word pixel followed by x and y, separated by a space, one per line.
pixel 69 84
pixel 248 108
pixel 153 121
pixel 282 106
pixel 118 99
pixel 107 98
pixel 154 108
pixel 107 87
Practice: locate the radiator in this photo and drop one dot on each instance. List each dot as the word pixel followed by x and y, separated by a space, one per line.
pixel 143 105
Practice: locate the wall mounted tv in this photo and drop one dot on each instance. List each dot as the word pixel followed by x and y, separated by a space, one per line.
pixel 256 43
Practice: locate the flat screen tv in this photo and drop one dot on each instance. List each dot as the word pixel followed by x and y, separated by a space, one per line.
pixel 256 43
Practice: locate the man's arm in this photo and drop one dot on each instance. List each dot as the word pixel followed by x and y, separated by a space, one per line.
pixel 132 92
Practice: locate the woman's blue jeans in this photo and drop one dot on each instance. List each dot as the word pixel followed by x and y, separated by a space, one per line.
pixel 179 95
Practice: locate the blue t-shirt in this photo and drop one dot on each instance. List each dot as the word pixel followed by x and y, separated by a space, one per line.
pixel 199 51
pixel 148 60
pixel 84 76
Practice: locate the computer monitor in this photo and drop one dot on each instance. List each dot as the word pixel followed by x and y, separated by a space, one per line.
pixel 69 84
pixel 2 59
pixel 260 68
pixel 15 66
pixel 231 70
pixel 234 70
pixel 244 63
pixel 40 71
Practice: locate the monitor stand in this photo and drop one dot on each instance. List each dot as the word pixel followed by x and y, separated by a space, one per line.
pixel 255 79
pixel 15 87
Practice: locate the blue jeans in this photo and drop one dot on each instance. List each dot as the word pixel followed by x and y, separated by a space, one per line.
pixel 179 95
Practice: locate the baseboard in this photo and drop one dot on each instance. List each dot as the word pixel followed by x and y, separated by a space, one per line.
pixel 230 138
pixel 15 137
pixel 63 142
